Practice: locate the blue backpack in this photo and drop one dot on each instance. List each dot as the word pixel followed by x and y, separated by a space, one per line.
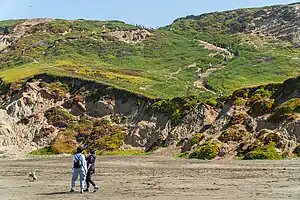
pixel 77 161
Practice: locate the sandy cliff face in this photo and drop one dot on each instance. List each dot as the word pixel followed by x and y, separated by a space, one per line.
pixel 23 121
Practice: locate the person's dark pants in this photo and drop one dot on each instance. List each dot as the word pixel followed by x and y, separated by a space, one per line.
pixel 89 179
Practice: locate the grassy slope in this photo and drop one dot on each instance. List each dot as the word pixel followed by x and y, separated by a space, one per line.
pixel 260 60
pixel 143 67
pixel 147 67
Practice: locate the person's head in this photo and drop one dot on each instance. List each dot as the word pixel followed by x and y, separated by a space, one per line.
pixel 92 151
pixel 79 150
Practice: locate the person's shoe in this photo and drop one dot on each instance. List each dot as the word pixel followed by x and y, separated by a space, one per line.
pixel 86 190
pixel 96 188
pixel 71 190
pixel 81 191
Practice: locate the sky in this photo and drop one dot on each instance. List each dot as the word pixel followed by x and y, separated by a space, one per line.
pixel 150 13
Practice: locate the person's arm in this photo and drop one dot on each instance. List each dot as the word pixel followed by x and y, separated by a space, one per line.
pixel 73 163
pixel 88 161
pixel 84 163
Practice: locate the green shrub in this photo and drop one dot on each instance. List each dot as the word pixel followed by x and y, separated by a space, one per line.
pixel 127 152
pixel 196 139
pixel 256 144
pixel 297 151
pixel 84 127
pixel 265 138
pixel 288 110
pixel 207 151
pixel 58 89
pixel 65 142
pixel 182 155
pixel 115 119
pixel 238 119
pixel 259 95
pixel 105 136
pixel 212 102
pixel 261 107
pixel 239 102
pixel 272 137
pixel 58 117
pixel 267 152
pixel 233 133
pixel 242 93
pixel 176 108
pixel 43 151
pixel 111 142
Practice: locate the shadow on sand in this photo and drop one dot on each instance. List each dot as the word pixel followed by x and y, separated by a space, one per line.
pixel 52 193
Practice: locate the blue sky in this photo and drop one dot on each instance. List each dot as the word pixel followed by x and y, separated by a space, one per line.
pixel 151 13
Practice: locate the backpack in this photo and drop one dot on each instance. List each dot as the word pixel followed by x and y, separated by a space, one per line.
pixel 77 161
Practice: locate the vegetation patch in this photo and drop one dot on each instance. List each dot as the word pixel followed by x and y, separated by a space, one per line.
pixel 238 119
pixel 264 139
pixel 212 102
pixel 242 93
pixel 239 101
pixel 261 107
pixel 297 151
pixel 43 151
pixel 271 137
pixel 100 135
pixel 288 110
pixel 176 108
pixel 65 142
pixel 259 95
pixel 7 26
pixel 44 133
pixel 267 152
pixel 58 117
pixel 234 134
pixel 58 89
pixel 196 139
pixel 182 155
pixel 207 151
pixel 127 152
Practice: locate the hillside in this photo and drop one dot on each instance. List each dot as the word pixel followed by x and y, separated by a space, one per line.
pixel 151 62
pixel 212 86
pixel 243 48
pixel 266 41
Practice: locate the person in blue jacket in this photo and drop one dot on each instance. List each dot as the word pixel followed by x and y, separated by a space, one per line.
pixel 79 168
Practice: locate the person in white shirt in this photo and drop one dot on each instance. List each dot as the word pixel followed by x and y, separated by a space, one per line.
pixel 79 168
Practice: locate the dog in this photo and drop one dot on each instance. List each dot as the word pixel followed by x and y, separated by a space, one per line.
pixel 32 176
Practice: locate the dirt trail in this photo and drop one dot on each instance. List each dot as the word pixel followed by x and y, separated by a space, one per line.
pixel 218 50
pixel 135 178
pixel 200 83
pixel 171 75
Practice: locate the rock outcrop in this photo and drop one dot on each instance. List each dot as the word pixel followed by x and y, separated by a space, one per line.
pixel 20 30
pixel 129 36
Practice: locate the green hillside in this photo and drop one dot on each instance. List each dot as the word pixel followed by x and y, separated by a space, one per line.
pixel 161 63
pixel 263 54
